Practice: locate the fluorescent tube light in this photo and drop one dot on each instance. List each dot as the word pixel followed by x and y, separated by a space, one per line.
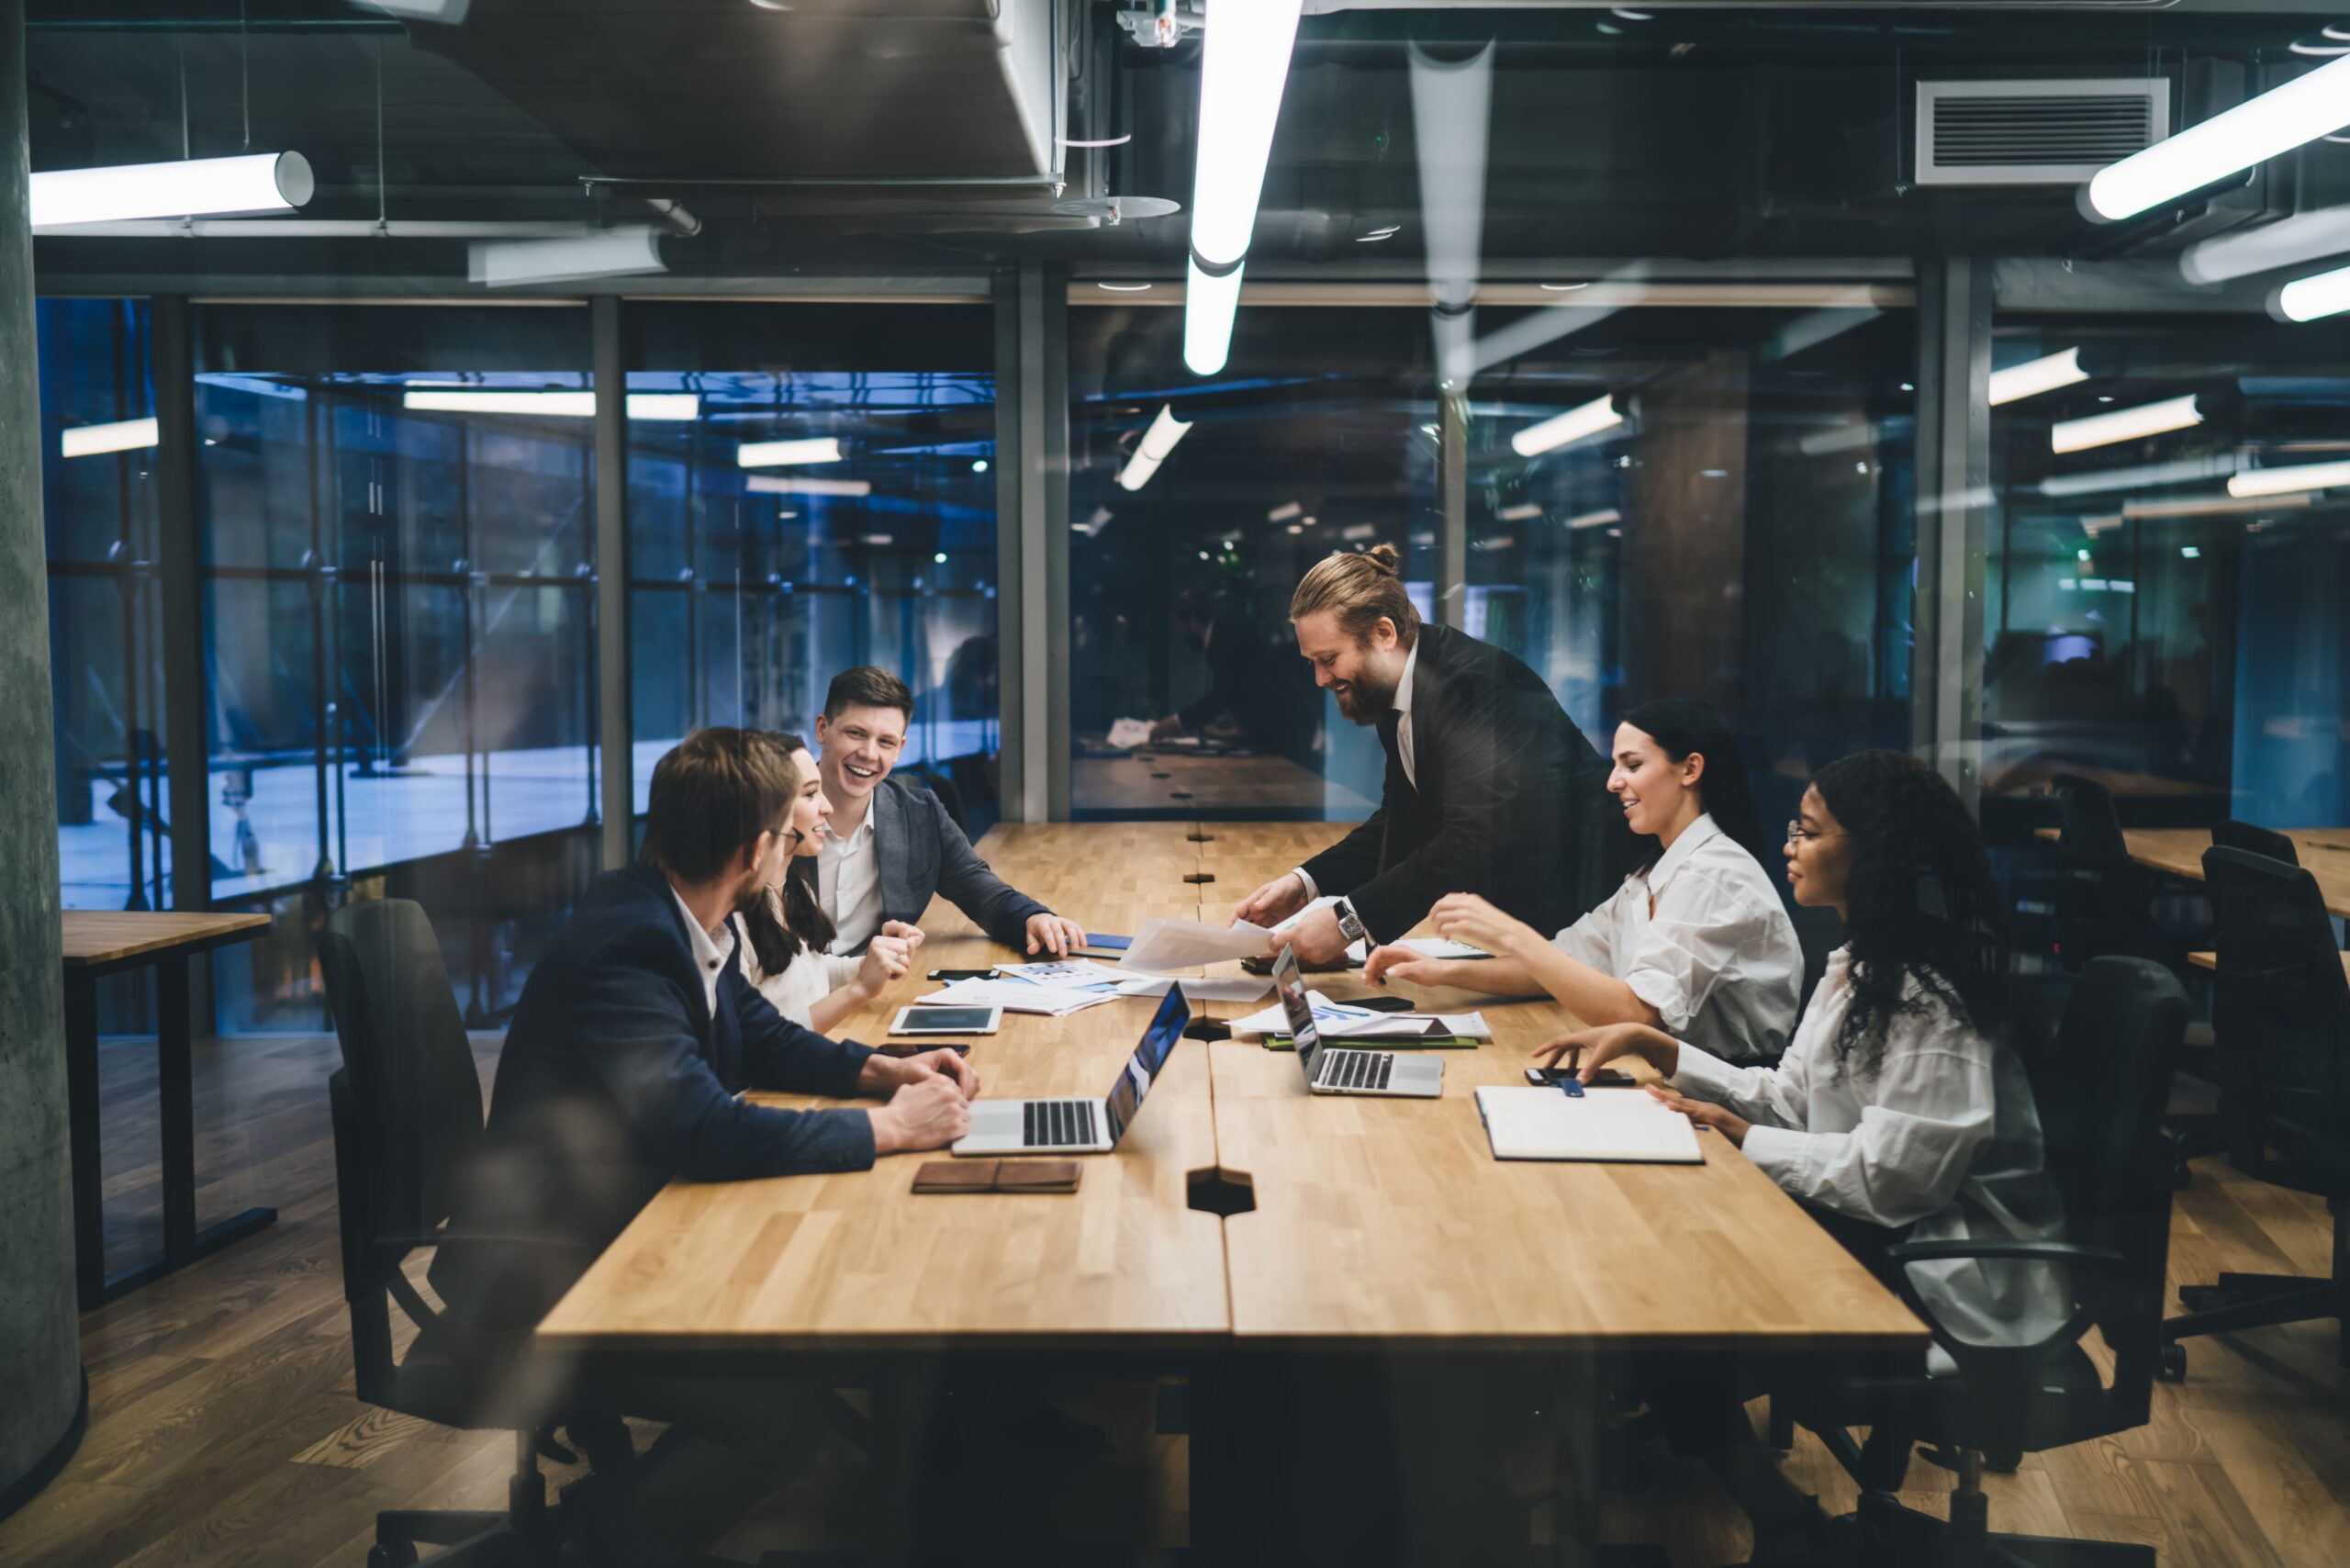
pixel 660 406
pixel 776 485
pixel 257 181
pixel 2307 298
pixel 2030 379
pixel 2125 424
pixel 2296 476
pixel 1573 425
pixel 1285 511
pixel 788 453
pixel 2150 476
pixel 1595 518
pixel 123 435
pixel 2210 506
pixel 2309 237
pixel 1152 450
pixel 2253 131
pixel 1209 304
pixel 1524 511
pixel 606 253
pixel 1243 67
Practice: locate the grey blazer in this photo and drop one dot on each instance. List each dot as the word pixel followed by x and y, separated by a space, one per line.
pixel 922 852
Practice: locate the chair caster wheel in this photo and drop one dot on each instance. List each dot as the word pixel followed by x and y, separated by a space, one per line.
pixel 391 1554
pixel 2172 1365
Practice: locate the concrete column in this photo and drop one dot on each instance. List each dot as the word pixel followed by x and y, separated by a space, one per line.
pixel 41 1392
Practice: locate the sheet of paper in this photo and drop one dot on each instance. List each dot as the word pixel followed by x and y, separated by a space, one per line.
pixel 1240 987
pixel 1068 974
pixel 1274 1020
pixel 1164 944
pixel 1128 733
pixel 1442 947
pixel 1016 996
pixel 1290 924
pixel 1339 1020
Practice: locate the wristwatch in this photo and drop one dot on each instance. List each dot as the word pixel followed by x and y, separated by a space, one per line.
pixel 1349 922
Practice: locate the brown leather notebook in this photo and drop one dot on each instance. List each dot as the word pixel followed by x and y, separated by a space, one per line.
pixel 997 1176
pixel 1038 1176
pixel 957 1176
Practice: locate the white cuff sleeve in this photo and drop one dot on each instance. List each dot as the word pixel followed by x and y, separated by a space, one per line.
pixel 1311 892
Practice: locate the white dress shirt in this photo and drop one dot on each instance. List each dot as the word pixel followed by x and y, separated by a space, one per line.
pixel 1703 940
pixel 1402 705
pixel 1941 1137
pixel 849 884
pixel 709 959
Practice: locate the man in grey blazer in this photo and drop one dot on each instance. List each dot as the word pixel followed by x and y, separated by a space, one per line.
pixel 890 844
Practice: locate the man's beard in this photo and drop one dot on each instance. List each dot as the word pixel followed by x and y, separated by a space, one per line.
pixel 1364 700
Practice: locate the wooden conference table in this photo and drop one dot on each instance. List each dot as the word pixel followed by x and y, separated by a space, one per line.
pixel 1381 1225
pixel 2324 853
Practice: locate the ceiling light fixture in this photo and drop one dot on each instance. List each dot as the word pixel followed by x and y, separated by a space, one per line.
pixel 2151 476
pixel 2308 237
pixel 2315 296
pixel 626 252
pixel 2286 480
pixel 1152 450
pixel 1564 287
pixel 788 453
pixel 1594 519
pixel 122 435
pixel 778 485
pixel 1524 511
pixel 2210 506
pixel 1575 424
pixel 1285 511
pixel 192 188
pixel 2125 424
pixel 2035 376
pixel 1243 66
pixel 660 406
pixel 1125 287
pixel 2255 130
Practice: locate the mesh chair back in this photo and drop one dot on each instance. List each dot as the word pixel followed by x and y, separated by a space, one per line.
pixel 417 1094
pixel 2283 1005
pixel 2230 834
pixel 2090 829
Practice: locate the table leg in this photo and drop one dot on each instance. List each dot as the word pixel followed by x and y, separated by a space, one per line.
pixel 82 1117
pixel 175 1085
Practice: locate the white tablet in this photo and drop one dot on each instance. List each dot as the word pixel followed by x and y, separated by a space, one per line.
pixel 948 1021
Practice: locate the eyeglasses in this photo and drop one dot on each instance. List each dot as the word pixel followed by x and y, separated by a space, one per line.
pixel 1797 834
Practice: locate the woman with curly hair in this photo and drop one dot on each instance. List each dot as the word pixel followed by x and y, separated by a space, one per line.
pixel 786 933
pixel 1901 1110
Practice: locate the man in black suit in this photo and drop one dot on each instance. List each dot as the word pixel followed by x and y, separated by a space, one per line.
pixel 637 1030
pixel 1238 687
pixel 1490 789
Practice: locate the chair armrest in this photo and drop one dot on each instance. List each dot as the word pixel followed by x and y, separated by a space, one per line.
pixel 1903 1252
pixel 2004 1360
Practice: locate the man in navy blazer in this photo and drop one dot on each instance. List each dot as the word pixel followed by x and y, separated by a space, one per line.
pixel 637 1030
pixel 890 844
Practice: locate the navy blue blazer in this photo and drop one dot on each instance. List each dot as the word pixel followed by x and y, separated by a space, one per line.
pixel 615 1078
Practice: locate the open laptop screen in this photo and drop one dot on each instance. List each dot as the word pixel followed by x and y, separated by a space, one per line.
pixel 1290 984
pixel 1157 1042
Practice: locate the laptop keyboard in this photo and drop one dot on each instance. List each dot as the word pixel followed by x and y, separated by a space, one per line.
pixel 1056 1124
pixel 1357 1069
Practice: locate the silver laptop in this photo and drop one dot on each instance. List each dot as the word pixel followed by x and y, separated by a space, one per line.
pixel 1080 1126
pixel 1331 1071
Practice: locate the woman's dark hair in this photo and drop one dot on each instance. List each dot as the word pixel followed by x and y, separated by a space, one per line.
pixel 1683 725
pixel 1920 903
pixel 781 928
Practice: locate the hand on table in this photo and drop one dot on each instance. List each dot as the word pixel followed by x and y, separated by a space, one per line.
pixel 1166 729
pixel 1051 933
pixel 1395 961
pixel 1465 917
pixel 1706 1114
pixel 1316 940
pixel 1588 1050
pixel 930 1111
pixel 888 1075
pixel 1273 903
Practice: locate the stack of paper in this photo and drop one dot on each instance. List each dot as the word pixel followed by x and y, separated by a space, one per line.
pixel 1018 996
pixel 1128 733
pixel 1626 1125
pixel 1162 946
pixel 1339 1020
pixel 1242 988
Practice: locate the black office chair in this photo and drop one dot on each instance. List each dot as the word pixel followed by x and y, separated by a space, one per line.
pixel 2104 900
pixel 2283 1010
pixel 2100 1090
pixel 2230 834
pixel 408 1117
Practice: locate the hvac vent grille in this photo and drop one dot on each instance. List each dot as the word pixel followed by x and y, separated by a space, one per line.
pixel 2056 132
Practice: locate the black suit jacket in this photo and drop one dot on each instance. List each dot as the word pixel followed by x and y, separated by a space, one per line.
pixel 1511 803
pixel 615 1077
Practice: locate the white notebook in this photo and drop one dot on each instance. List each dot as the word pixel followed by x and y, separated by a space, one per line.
pixel 1605 1125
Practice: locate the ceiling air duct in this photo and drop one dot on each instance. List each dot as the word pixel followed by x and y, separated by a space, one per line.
pixel 2027 133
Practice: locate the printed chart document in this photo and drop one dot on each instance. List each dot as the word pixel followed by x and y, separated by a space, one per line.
pixel 1163 944
pixel 1341 1021
pixel 1611 1125
pixel 1244 988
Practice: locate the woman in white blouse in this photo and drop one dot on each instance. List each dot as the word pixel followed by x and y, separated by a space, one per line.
pixel 1696 942
pixel 784 936
pixel 1902 1110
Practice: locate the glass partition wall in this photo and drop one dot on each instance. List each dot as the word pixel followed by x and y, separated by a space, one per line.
pixel 1708 498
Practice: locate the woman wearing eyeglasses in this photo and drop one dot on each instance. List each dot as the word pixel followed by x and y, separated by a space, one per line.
pixel 1901 1110
pixel 1694 943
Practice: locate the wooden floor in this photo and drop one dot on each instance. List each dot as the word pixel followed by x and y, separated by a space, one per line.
pixel 223 1426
